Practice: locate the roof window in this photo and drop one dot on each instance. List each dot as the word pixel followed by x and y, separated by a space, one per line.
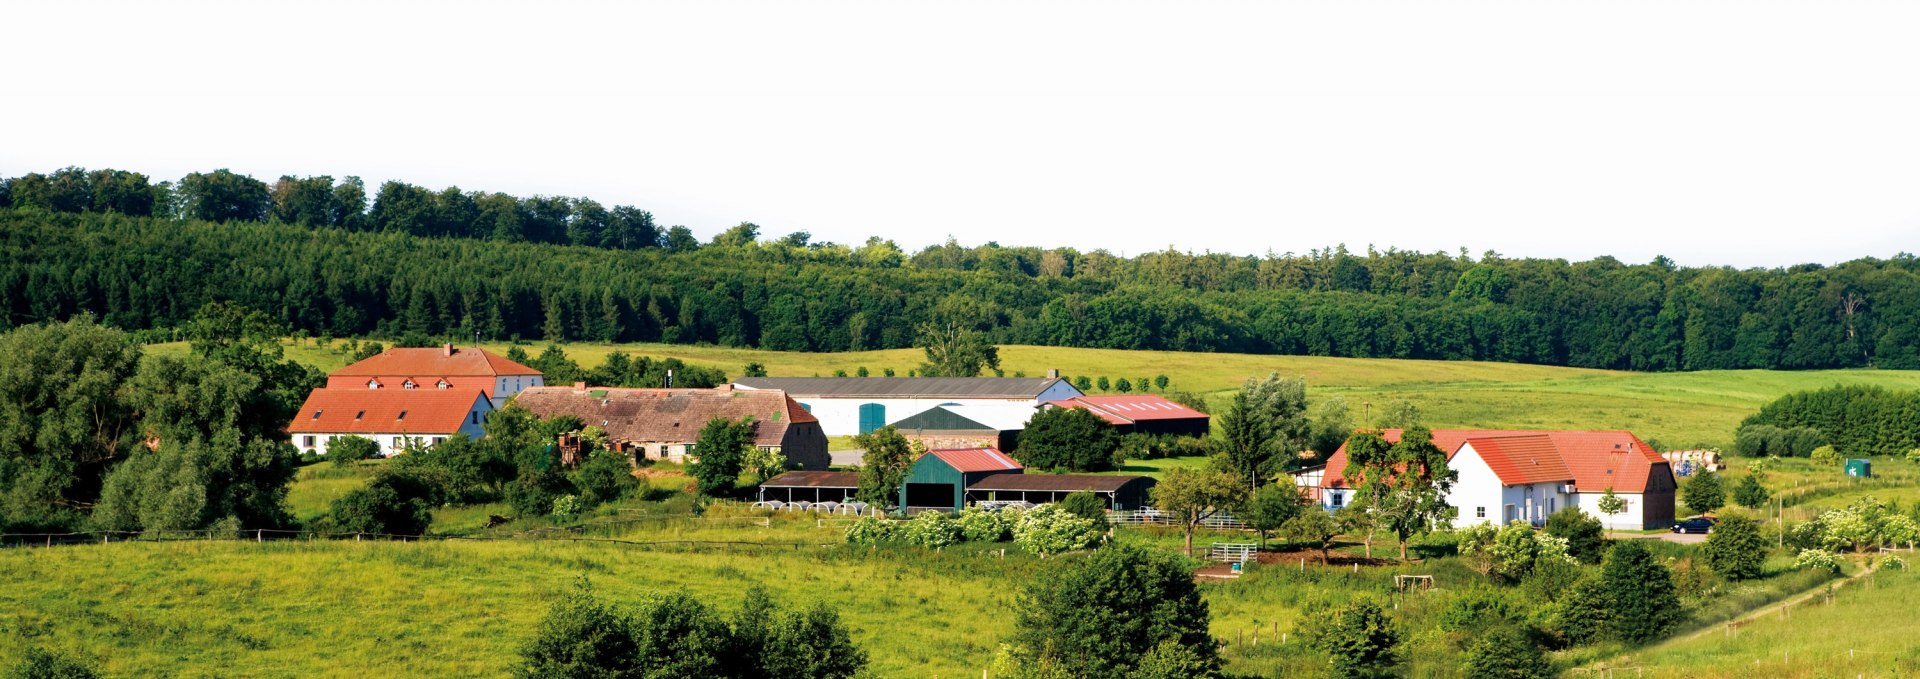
pixel 316 414
pixel 360 414
pixel 402 416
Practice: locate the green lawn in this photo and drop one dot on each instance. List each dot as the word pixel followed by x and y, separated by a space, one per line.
pixel 1675 409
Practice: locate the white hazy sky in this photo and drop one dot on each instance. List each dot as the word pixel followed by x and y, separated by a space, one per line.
pixel 1743 133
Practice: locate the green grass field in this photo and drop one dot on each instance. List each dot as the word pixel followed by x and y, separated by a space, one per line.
pixel 1676 409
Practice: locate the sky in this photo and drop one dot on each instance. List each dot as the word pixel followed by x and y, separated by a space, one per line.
pixel 1714 133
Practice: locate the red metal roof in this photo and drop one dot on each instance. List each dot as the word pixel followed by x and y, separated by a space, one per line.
pixel 436 361
pixel 976 459
pixel 1596 460
pixel 378 411
pixel 1131 408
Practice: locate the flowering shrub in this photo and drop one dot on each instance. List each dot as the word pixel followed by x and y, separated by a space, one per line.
pixel 1817 559
pixel 1048 529
pixel 870 530
pixel 931 530
pixel 566 507
pixel 980 525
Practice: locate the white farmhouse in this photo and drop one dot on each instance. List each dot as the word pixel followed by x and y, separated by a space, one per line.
pixel 393 418
pixel 856 405
pixel 1507 475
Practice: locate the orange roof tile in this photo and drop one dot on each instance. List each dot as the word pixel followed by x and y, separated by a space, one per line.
pixel 1597 460
pixel 387 411
pixel 1522 459
pixel 436 361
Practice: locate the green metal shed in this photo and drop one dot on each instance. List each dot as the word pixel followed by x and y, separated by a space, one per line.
pixel 939 479
pixel 1859 467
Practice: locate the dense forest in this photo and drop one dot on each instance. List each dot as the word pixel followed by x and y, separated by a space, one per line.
pixel 328 260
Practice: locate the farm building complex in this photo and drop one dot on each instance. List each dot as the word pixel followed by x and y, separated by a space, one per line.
pixel 1508 475
pixel 664 424
pixel 442 367
pixel 857 405
pixel 408 397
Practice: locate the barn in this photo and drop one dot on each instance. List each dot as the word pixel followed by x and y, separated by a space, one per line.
pixel 1141 414
pixel 856 405
pixel 976 426
pixel 811 486
pixel 947 480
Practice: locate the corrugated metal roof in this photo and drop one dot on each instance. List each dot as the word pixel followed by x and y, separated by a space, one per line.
pixel 1065 483
pixel 814 480
pixel 967 418
pixel 976 459
pixel 1131 408
pixel 904 387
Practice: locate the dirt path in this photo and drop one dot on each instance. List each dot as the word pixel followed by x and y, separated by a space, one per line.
pixel 1749 616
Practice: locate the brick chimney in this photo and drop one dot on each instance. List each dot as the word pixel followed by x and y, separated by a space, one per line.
pixel 1053 373
pixel 579 385
pixel 447 349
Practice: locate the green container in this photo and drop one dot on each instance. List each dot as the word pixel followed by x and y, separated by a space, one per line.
pixel 1860 468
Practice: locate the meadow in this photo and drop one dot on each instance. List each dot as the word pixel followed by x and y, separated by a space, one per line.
pixel 1675 410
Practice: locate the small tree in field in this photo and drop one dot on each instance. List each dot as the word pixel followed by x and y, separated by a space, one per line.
pixel 1313 526
pixel 720 453
pixel 1704 493
pixel 1507 654
pixel 1643 602
pixel 1160 382
pixel 1072 439
pixel 884 467
pixel 1610 504
pixel 1272 507
pixel 1735 548
pixel 1103 613
pixel 1360 641
pixel 1749 493
pixel 1194 495
pixel 1827 455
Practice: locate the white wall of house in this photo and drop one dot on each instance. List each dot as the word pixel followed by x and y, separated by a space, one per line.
pixel 393 443
pixel 671 452
pixel 505 386
pixel 1632 518
pixel 1479 496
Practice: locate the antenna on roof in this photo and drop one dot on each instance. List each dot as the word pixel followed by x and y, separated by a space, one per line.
pixel 476 339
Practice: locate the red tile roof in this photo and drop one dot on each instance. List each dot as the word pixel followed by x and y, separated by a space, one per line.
pixel 1130 409
pixel 379 411
pixel 436 361
pixel 976 459
pixel 1597 460
pixel 668 415
pixel 1522 459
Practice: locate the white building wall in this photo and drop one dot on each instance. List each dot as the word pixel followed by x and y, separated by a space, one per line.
pixel 1479 496
pixel 392 443
pixel 1632 518
pixel 841 416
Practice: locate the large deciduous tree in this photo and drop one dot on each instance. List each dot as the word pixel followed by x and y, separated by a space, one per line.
pixel 720 453
pixel 1405 483
pixel 1102 613
pixel 1071 439
pixel 955 339
pixel 1264 425
pixel 1195 495
pixel 63 420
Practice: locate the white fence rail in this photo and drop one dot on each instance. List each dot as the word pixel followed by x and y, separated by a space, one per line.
pixel 1147 517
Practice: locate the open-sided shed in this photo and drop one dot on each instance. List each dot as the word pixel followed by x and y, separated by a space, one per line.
pixel 1119 492
pixel 939 479
pixel 811 487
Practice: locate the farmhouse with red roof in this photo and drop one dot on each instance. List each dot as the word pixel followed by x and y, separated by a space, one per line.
pixel 394 419
pixel 444 367
pixel 1510 475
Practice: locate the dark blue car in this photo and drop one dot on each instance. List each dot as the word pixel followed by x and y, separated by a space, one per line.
pixel 1698 524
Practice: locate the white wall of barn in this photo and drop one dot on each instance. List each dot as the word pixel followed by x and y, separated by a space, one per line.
pixel 1632 518
pixel 841 416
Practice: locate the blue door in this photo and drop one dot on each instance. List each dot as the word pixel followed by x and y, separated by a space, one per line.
pixel 872 416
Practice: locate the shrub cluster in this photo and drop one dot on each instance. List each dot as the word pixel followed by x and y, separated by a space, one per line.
pixel 1047 529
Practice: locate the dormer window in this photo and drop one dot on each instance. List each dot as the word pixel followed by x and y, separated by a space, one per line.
pixel 373 384
pixel 408 384
pixel 443 385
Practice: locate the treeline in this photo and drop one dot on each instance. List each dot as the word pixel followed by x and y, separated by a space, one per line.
pixel 412 261
pixel 1855 420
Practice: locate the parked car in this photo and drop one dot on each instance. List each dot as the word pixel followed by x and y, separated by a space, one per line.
pixel 1698 524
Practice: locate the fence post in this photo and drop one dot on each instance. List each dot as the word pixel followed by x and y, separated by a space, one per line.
pixel 259 535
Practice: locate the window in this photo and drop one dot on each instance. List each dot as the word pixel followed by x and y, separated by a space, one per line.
pixel 1480 512
pixel 872 416
pixel 437 440
pixel 306 441
pixel 316 414
pixel 373 384
pixel 443 385
pixel 1339 500
pixel 403 415
pixel 360 414
pixel 408 384
pixel 475 416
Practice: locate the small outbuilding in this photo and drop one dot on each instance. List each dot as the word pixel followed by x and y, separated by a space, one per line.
pixel 939 479
pixel 811 486
pixel 1119 492
pixel 946 480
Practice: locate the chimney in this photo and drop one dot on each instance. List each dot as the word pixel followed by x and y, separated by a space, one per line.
pixel 579 385
pixel 1053 373
pixel 447 348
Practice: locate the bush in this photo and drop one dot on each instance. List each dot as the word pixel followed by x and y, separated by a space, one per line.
pixel 1827 455
pixel 1072 439
pixel 1735 548
pixel 1643 601
pixel 39 663
pixel 1360 640
pixel 1585 537
pixel 566 508
pixel 870 530
pixel 385 506
pixel 931 530
pixel 349 450
pixel 980 525
pixel 1473 611
pixel 1818 560
pixel 580 637
pixel 1507 654
pixel 1104 613
pixel 536 489
pixel 604 477
pixel 1704 493
pixel 1048 529
pixel 1087 505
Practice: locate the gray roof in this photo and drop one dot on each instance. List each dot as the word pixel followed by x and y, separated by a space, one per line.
pixel 903 387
